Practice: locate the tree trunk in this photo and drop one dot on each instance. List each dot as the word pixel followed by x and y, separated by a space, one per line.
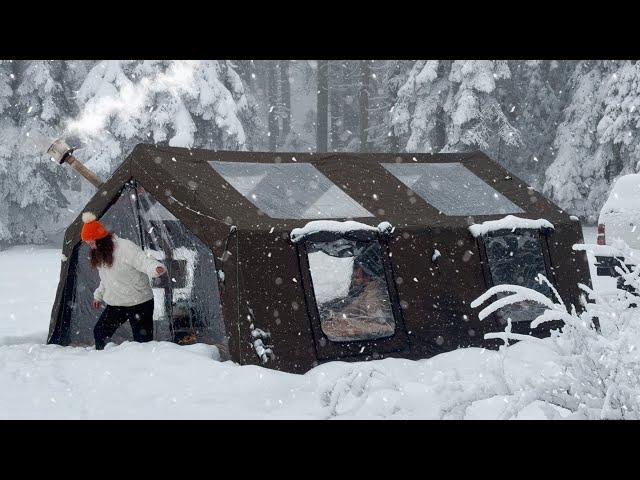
pixel 364 105
pixel 247 71
pixel 285 93
pixel 440 129
pixel 335 120
pixel 615 166
pixel 272 103
pixel 336 98
pixel 322 123
pixel 392 94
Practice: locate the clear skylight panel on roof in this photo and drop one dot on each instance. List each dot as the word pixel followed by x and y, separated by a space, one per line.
pixel 289 190
pixel 452 188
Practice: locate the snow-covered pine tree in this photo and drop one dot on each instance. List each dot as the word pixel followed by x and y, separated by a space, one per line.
pixel 255 117
pixel 590 141
pixel 533 104
pixel 75 188
pixel 164 116
pixel 36 184
pixel 477 117
pixel 219 106
pixel 8 134
pixel 390 76
pixel 108 121
pixel 621 119
pixel 179 103
pixel 246 105
pixel 454 106
pixel 414 117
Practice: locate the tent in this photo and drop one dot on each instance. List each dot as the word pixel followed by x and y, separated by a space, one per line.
pixel 288 260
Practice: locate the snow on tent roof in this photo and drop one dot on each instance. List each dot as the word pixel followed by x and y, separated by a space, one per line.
pixel 452 188
pixel 289 190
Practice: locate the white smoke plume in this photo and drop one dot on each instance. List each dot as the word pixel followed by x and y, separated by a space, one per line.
pixel 37 142
pixel 130 100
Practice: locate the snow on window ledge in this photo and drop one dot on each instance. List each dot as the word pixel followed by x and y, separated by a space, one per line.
pixel 509 222
pixel 316 226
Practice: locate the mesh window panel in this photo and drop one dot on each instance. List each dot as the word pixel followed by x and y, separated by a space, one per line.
pixel 516 259
pixel 452 188
pixel 290 190
pixel 350 290
pixel 186 300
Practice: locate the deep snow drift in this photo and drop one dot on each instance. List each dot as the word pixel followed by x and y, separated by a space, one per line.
pixel 162 380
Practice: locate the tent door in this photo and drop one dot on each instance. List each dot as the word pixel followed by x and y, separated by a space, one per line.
pixel 188 298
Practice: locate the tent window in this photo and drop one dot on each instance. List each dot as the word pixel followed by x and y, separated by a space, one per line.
pixel 187 302
pixel 452 188
pixel 516 259
pixel 289 190
pixel 350 290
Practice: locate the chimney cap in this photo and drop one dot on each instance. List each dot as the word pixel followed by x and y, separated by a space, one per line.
pixel 59 150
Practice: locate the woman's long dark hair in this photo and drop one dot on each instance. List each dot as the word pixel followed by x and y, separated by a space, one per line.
pixel 103 254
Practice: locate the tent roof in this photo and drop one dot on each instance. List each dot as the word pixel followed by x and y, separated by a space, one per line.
pixel 369 188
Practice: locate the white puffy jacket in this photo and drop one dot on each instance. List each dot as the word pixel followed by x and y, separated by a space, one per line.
pixel 126 282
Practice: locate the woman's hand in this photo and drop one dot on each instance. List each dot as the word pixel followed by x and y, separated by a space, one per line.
pixel 95 303
pixel 160 270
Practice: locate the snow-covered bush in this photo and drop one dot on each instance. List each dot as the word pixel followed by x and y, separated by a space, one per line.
pixel 600 374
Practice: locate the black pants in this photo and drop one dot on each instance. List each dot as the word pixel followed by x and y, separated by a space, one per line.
pixel 139 316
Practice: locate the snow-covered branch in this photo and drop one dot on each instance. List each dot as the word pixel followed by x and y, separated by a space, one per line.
pixel 601 378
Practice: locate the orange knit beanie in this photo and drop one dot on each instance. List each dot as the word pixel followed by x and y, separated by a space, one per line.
pixel 92 228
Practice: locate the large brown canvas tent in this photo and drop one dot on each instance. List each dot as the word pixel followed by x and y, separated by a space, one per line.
pixel 263 249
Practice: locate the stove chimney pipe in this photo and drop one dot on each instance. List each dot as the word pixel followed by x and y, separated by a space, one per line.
pixel 62 153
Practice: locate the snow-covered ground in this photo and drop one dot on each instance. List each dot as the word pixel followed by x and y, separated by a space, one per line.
pixel 28 282
pixel 162 380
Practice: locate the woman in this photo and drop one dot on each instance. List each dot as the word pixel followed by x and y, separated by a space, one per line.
pixel 124 271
